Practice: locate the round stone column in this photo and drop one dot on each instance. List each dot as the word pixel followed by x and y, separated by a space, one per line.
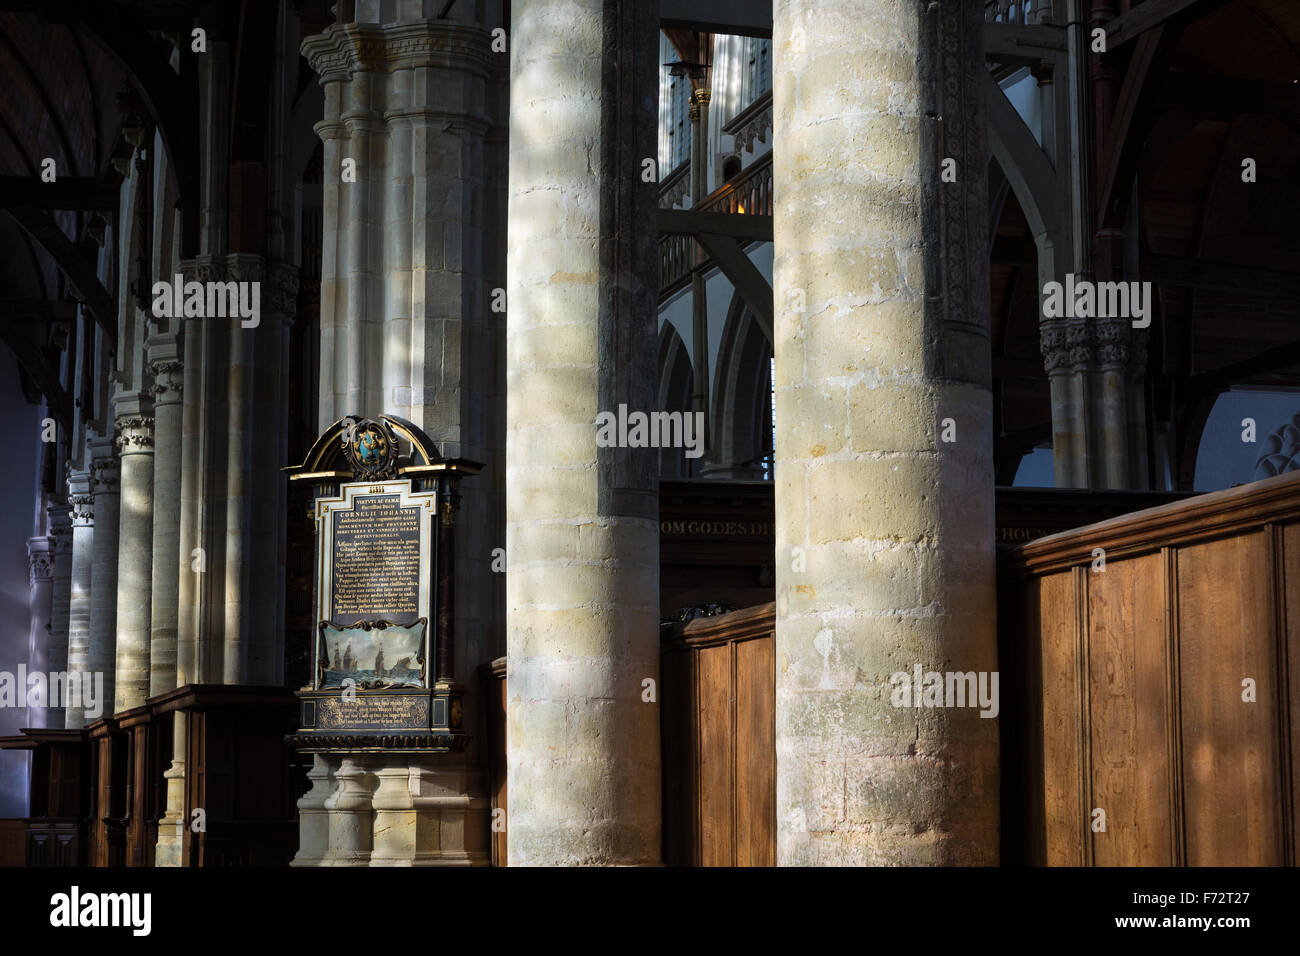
pixel 40 583
pixel 166 566
pixel 884 466
pixel 102 652
pixel 134 560
pixel 81 512
pixel 581 530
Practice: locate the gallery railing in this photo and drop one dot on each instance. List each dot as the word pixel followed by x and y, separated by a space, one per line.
pixel 749 194
pixel 1017 11
pixel 676 186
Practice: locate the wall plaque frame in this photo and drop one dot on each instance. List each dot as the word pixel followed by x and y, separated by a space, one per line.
pixel 384 506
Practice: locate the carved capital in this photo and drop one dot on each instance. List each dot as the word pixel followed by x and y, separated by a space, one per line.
pixel 40 560
pixel 81 509
pixel 345 49
pixel 168 381
pixel 133 434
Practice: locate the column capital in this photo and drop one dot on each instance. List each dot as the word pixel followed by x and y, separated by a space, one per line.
pixel 40 560
pixel 81 509
pixel 134 434
pixel 281 290
pixel 344 49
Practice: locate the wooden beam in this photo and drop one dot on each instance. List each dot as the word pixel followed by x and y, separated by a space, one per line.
pixel 1022 44
pixel 744 275
pixel 1270 360
pixel 689 222
pixel 1151 14
pixel 753 18
pixel 40 225
pixel 1222 277
pixel 44 374
pixel 1134 118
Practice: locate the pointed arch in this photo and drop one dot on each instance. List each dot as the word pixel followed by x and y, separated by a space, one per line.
pixel 741 429
pixel 675 382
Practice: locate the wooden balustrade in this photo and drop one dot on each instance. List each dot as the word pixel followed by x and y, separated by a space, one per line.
pixel 749 194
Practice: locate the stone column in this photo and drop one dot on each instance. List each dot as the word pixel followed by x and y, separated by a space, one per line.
pixel 60 525
pixel 240 482
pixel 167 566
pixel 134 555
pixel 40 587
pixel 581 529
pixel 82 515
pixel 102 653
pixel 885 548
pixel 404 312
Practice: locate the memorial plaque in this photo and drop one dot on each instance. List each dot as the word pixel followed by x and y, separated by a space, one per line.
pixel 374 559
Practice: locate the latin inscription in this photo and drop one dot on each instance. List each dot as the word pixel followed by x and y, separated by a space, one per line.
pixel 376 561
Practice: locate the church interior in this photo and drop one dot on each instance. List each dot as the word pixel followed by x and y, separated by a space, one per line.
pixel 829 433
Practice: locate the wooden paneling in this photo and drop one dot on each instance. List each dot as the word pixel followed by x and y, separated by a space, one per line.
pixel 716 754
pixel 1130 696
pixel 719 740
pixel 12 842
pixel 1288 540
pixel 1061 756
pixel 755 752
pixel 1230 747
pixel 1129 712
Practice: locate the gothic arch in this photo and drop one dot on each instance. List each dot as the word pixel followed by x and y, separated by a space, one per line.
pixel 675 381
pixel 741 421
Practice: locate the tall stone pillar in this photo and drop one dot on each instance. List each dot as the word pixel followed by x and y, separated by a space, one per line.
pixel 581 530
pixel 82 515
pixel 60 525
pixel 102 653
pixel 168 566
pixel 168 373
pixel 134 556
pixel 885 549
pixel 405 330
pixel 40 587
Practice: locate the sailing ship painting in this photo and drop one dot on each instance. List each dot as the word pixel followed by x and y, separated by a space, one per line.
pixel 376 656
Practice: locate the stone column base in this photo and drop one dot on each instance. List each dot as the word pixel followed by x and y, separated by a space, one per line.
pixel 393 810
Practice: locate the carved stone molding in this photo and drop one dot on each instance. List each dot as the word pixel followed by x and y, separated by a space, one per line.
pixel 81 509
pixel 168 380
pixel 105 476
pixel 1082 345
pixel 752 124
pixel 347 48
pixel 133 434
pixel 281 294
pixel 40 560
